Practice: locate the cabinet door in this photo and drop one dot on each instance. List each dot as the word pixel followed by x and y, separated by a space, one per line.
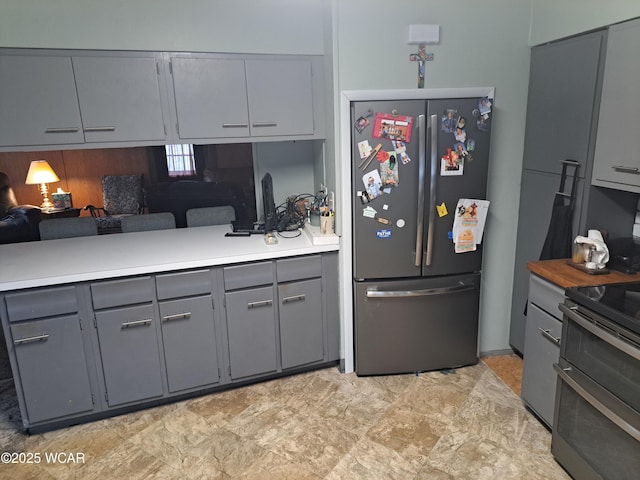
pixel 130 355
pixel 280 97
pixel 210 98
pixel 252 332
pixel 119 98
pixel 38 103
pixel 617 163
pixel 301 328
pixel 52 368
pixel 188 335
pixel 541 351
pixel 562 95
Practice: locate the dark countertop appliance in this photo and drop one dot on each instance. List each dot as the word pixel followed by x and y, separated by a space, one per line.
pixel 624 254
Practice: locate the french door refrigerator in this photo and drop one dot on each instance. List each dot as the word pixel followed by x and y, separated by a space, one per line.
pixel 416 166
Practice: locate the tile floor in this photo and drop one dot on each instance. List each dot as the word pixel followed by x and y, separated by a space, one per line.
pixel 467 424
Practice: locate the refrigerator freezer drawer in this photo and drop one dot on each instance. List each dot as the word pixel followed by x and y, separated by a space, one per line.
pixel 405 326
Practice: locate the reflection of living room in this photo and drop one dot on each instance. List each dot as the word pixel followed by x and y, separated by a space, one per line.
pixel 80 171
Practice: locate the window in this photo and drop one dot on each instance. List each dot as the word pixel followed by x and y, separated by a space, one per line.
pixel 180 160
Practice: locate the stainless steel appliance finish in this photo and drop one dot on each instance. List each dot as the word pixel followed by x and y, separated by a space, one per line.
pixel 430 323
pixel 415 299
pixel 596 431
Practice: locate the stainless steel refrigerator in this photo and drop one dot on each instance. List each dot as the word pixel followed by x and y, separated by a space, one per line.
pixel 416 300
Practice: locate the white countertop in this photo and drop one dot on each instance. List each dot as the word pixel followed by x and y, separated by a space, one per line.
pixel 55 262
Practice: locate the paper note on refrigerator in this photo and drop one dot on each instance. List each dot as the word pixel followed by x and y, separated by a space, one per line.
pixel 468 224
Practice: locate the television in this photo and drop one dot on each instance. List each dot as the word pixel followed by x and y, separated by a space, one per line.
pixel 268 204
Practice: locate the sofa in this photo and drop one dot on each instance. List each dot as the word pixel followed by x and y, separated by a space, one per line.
pixel 179 196
pixel 20 224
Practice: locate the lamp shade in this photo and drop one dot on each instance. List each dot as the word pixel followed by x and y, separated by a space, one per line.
pixel 41 172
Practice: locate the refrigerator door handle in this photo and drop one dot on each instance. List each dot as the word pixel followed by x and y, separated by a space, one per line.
pixel 433 164
pixel 422 158
pixel 418 293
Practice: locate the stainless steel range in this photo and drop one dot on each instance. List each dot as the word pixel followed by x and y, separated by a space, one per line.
pixel 596 431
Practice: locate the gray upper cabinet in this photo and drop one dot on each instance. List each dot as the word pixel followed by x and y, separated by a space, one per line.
pixel 119 98
pixel 617 160
pixel 38 102
pixel 280 96
pixel 218 97
pixel 210 97
pixel 562 94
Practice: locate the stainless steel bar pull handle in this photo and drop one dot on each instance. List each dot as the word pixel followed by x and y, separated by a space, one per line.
pixel 264 124
pixel 137 323
pixel 235 125
pixel 294 298
pixel 37 338
pixel 432 188
pixel 422 146
pixel 62 130
pixel 263 303
pixel 574 315
pixel 547 334
pixel 178 316
pixel 595 403
pixel 99 129
pixel 625 169
pixel 418 293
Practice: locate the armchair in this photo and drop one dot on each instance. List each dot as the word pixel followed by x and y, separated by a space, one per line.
pixel 18 223
pixel 122 195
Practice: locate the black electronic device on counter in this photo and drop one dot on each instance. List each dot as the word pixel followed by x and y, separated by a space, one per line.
pixel 624 254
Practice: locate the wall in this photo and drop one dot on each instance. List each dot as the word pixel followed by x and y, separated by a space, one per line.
pixel 553 19
pixel 238 26
pixel 482 44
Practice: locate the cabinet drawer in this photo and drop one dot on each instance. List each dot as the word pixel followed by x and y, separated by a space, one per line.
pixel 546 295
pixel 250 275
pixel 541 351
pixel 122 292
pixel 183 284
pixel 299 268
pixel 41 303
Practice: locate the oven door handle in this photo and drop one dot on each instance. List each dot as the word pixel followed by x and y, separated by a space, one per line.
pixel 595 403
pixel 573 314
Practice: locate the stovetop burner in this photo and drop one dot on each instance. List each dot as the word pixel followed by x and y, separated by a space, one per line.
pixel 619 302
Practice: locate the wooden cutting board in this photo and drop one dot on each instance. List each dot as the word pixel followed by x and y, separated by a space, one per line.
pixel 560 273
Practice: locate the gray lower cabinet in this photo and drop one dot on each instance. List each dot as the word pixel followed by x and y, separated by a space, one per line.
pixel 127 330
pixel 80 351
pixel 301 327
pixel 542 347
pixel 189 329
pixel 251 329
pixel 130 354
pixel 45 344
pixel 52 368
pixel 189 343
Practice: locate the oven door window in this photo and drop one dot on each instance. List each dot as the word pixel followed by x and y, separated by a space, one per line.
pixel 602 445
pixel 594 350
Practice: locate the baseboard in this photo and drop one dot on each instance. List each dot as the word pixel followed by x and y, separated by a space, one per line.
pixel 495 353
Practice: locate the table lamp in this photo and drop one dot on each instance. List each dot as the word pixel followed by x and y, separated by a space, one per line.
pixel 40 172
